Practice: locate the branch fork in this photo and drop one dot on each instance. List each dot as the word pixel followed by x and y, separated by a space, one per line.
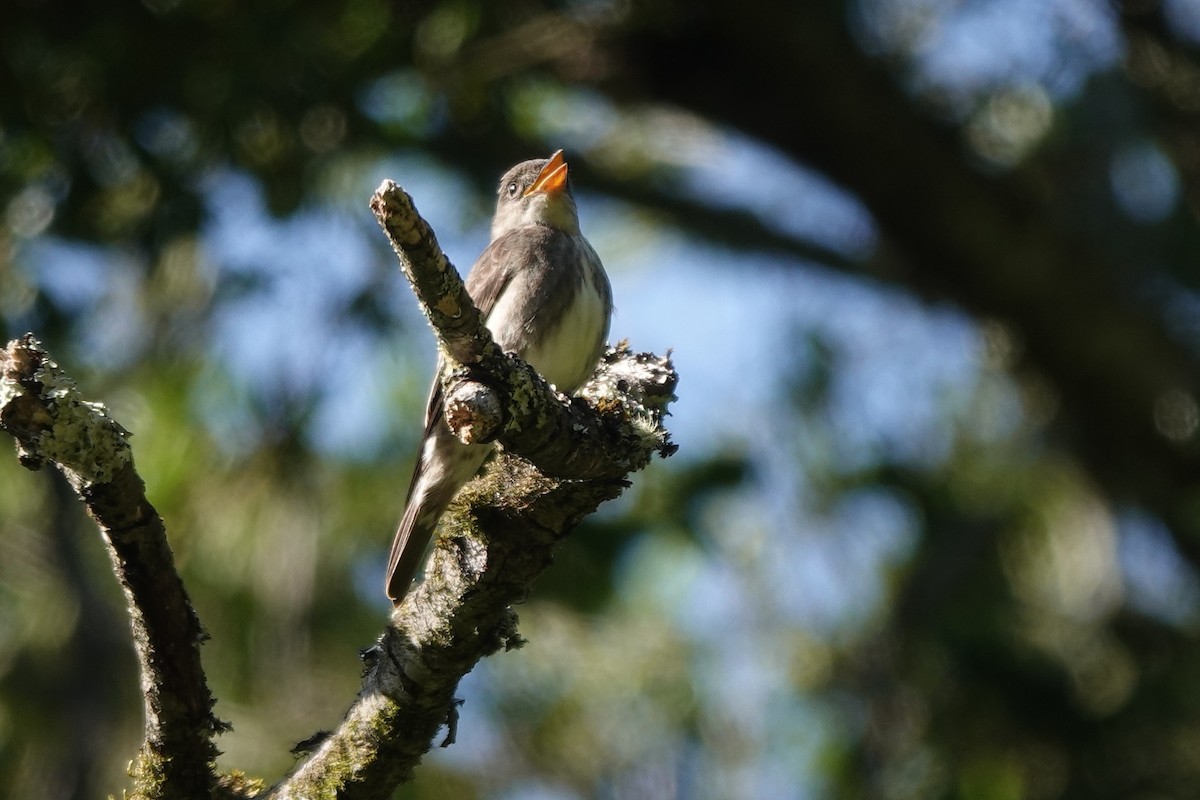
pixel 561 457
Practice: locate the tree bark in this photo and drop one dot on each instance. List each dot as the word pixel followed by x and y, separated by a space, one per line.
pixel 497 537
pixel 42 409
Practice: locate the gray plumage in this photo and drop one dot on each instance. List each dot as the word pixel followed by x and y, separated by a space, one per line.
pixel 544 295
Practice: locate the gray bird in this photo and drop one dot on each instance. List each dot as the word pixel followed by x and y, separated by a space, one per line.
pixel 544 295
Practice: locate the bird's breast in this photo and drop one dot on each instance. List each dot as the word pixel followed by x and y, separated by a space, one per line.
pixel 554 307
pixel 566 354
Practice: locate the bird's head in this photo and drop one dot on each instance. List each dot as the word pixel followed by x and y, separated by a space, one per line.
pixel 536 192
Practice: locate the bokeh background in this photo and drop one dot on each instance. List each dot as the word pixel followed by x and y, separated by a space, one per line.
pixel 930 272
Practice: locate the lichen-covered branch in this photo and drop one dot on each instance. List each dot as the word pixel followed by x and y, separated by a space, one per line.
pixel 563 437
pixel 439 287
pixel 561 457
pixel 501 531
pixel 41 408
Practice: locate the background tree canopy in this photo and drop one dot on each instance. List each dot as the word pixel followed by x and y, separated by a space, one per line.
pixel 931 274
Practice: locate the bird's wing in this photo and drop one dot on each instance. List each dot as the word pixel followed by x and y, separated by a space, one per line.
pixel 491 274
pixel 487 280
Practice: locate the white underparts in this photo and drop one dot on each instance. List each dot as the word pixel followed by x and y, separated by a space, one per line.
pixel 566 355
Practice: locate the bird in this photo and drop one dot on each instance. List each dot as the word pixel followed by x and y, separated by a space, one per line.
pixel 544 295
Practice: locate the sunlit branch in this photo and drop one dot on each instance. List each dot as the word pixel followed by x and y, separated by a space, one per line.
pixel 498 536
pixel 41 408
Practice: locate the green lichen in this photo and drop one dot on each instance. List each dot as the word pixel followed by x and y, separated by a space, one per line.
pixel 83 439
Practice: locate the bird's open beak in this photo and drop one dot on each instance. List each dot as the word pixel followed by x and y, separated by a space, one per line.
pixel 552 178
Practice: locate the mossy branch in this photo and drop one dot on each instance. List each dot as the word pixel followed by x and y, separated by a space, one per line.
pixel 561 457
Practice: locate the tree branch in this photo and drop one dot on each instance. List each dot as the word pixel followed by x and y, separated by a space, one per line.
pixel 564 437
pixel 499 535
pixel 501 531
pixel 41 408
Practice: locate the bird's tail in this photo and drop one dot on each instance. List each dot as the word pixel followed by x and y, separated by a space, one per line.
pixel 408 548
pixel 444 466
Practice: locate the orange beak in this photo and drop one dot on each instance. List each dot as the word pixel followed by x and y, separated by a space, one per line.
pixel 552 178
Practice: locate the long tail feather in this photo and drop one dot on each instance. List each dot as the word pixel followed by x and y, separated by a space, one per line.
pixel 444 466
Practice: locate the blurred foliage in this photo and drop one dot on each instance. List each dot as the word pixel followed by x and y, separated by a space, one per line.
pixel 946 547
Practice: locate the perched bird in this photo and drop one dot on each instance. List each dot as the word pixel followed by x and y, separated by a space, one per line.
pixel 544 296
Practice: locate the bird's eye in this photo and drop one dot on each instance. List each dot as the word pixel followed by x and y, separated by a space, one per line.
pixel 512 189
